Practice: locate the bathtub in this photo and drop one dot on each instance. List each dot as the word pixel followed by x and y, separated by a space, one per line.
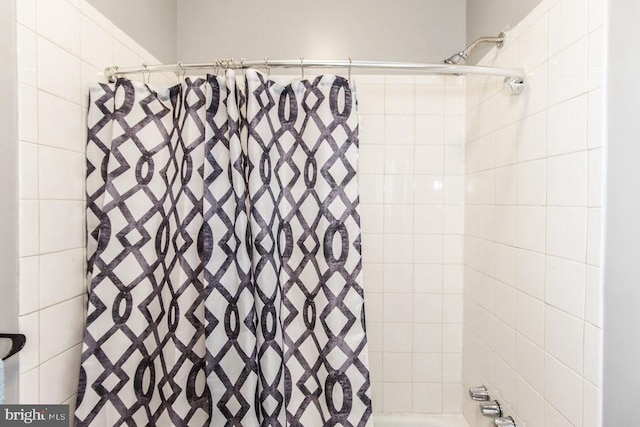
pixel 384 420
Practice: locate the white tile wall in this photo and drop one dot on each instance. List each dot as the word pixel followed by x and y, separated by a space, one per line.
pixel 531 173
pixel 62 46
pixel 534 206
pixel 412 193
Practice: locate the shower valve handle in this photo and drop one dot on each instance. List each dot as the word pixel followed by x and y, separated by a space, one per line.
pixel 505 422
pixel 479 393
pixel 491 409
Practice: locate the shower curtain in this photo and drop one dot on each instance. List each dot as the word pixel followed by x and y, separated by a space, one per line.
pixel 224 255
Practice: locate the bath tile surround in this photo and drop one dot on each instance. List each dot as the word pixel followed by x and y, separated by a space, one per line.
pixel 513 218
pixel 62 48
pixel 534 211
pixel 412 212
pixel 412 165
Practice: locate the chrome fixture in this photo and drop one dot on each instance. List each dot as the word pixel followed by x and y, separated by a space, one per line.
pixel 491 409
pixel 461 57
pixel 180 69
pixel 514 86
pixel 505 422
pixel 479 393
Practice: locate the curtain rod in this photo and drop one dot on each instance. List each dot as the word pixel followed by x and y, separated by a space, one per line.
pixel 514 78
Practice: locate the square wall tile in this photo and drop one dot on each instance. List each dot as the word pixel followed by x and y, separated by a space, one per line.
pixel 398 189
pixel 96 44
pixel 372 277
pixel 399 99
pixel 562 389
pixel 27 55
pixel 568 72
pixel 564 338
pixel 564 31
pixel 429 189
pixel 62 276
pixel 430 99
pixel 29 285
pixel 26 13
pixel 27 113
pixel 530 318
pixel 428 219
pixel 427 367
pixel 567 233
pixel 61 327
pixel 29 386
pixel 533 44
pixel 565 285
pixel 57 383
pixel 58 71
pixel 397 339
pixel 28 170
pixel 64 31
pixel 398 159
pixel 28 228
pixel 397 397
pixel 61 174
pixel 397 308
pixel 398 248
pixel 371 127
pixel 371 99
pixel 396 367
pixel 567 180
pixel 398 279
pixel 431 130
pixel 427 398
pixel 61 225
pixel 427 278
pixel 427 337
pixel 60 123
pixel 371 159
pixel 427 308
pixel 567 127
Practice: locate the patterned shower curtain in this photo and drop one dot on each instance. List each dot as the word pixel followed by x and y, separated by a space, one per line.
pixel 224 256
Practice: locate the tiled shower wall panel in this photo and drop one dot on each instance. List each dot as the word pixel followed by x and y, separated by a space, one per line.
pixel 412 212
pixel 412 195
pixel 62 48
pixel 534 222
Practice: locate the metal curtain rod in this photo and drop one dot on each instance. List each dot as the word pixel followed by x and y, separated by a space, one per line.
pixel 513 77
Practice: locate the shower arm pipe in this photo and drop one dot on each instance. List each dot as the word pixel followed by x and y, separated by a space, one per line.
pixel 512 76
pixel 498 41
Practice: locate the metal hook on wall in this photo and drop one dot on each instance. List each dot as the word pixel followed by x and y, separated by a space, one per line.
pixel 17 343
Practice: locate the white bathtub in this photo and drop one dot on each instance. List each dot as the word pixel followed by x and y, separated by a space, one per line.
pixel 380 420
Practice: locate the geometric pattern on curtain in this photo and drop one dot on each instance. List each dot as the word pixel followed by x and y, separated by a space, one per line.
pixel 224 255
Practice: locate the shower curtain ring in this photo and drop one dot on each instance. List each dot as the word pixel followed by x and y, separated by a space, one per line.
pixel 266 66
pixel 146 76
pixel 350 64
pixel 302 67
pixel 180 72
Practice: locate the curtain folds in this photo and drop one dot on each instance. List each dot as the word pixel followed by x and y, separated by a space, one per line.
pixel 224 259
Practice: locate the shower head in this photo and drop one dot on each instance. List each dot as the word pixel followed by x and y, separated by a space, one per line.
pixel 456 58
pixel 461 57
